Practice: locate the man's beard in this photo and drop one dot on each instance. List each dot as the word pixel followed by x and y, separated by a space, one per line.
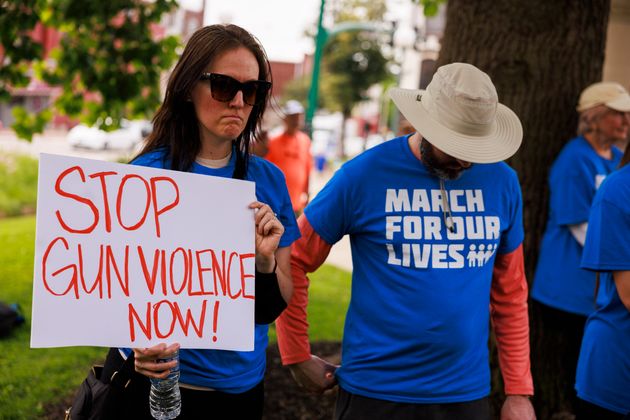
pixel 448 171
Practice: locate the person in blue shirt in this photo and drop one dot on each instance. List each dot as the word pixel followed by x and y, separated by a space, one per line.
pixel 435 225
pixel 213 106
pixel 603 371
pixel 562 292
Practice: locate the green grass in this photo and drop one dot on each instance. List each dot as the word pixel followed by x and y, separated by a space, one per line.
pixel 18 184
pixel 32 378
pixel 329 295
pixel 328 302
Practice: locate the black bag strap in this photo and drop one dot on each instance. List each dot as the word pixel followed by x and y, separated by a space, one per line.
pixel 122 377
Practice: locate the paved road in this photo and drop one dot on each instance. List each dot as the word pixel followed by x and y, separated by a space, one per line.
pixel 55 142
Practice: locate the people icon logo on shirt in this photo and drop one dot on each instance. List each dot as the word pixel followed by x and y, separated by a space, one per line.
pixel 479 258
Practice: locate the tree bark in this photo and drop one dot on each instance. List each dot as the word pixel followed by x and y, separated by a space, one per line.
pixel 540 55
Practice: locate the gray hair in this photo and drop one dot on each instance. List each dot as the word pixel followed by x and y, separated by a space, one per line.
pixel 588 117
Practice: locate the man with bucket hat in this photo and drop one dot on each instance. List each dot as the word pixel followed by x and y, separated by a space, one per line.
pixel 435 227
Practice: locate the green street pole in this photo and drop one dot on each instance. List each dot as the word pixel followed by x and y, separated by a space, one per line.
pixel 320 41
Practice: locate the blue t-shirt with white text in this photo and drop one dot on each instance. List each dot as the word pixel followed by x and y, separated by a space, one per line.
pixel 418 321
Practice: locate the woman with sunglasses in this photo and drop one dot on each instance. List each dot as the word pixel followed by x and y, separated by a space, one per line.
pixel 214 102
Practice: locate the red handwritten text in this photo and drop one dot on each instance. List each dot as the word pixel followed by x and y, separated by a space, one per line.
pixel 152 188
pixel 182 271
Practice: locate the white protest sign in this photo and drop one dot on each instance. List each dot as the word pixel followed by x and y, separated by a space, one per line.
pixel 130 256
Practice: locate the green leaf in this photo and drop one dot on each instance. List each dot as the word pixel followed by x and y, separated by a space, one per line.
pixel 106 58
pixel 431 9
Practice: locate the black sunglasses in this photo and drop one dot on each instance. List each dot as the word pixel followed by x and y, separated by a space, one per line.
pixel 223 88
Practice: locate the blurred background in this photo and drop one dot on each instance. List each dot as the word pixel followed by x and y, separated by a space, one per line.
pixel 101 93
pixel 84 78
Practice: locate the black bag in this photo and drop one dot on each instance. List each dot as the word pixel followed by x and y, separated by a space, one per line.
pixel 96 399
pixel 10 317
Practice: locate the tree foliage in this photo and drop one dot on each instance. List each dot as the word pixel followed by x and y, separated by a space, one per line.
pixel 298 89
pixel 108 63
pixel 430 7
pixel 353 60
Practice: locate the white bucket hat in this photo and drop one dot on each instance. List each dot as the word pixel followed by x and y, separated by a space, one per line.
pixel 460 114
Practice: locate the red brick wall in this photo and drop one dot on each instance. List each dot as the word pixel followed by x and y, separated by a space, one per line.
pixel 283 73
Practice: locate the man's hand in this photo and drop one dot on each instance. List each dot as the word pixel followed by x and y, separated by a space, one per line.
pixel 314 375
pixel 517 407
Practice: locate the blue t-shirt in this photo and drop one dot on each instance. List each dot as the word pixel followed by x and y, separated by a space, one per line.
pixel 417 325
pixel 576 174
pixel 603 372
pixel 234 371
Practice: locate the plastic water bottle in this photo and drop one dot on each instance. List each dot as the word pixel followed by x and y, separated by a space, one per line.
pixel 165 400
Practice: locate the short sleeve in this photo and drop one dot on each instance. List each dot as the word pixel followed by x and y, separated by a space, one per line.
pixel 287 218
pixel 271 189
pixel 328 212
pixel 572 196
pixel 607 244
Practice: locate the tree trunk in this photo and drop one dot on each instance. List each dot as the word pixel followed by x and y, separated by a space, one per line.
pixel 540 55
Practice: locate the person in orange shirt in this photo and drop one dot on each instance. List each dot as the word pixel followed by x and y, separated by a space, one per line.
pixel 291 152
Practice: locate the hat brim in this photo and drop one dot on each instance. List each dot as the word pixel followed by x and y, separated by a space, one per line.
pixel 620 104
pixel 501 143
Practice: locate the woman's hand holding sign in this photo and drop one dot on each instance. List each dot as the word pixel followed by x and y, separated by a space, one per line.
pixel 269 257
pixel 269 230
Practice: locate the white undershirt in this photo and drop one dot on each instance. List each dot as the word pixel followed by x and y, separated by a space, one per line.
pixel 579 232
pixel 214 163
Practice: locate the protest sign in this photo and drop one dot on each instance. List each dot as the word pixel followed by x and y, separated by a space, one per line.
pixel 131 256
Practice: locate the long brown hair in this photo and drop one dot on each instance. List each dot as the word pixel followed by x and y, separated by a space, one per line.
pixel 175 125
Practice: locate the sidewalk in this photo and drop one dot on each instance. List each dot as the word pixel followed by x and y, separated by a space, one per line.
pixel 54 142
pixel 340 255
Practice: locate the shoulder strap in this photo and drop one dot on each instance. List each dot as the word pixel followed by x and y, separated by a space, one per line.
pixel 122 377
